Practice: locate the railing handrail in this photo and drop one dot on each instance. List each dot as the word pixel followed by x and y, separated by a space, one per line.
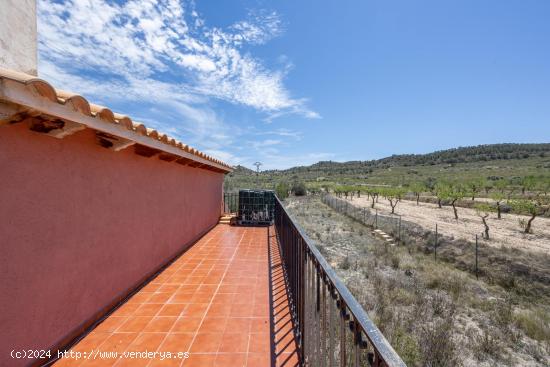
pixel 373 334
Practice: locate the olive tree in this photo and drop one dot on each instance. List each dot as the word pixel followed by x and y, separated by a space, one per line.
pixel 440 190
pixel 504 186
pixel 417 188
pixel 544 186
pixel 498 197
pixel 373 192
pixel 348 190
pixel 483 210
pixel 453 193
pixel 394 196
pixel 533 207
pixel 528 183
pixel 457 193
pixel 475 186
pixel 351 191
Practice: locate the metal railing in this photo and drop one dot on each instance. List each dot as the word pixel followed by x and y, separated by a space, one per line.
pixel 332 328
pixel 230 202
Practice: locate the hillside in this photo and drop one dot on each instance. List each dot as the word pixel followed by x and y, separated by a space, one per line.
pixel 490 161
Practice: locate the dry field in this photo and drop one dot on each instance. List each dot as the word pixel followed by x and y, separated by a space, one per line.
pixel 503 232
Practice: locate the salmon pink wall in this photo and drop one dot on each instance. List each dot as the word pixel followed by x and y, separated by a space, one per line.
pixel 81 225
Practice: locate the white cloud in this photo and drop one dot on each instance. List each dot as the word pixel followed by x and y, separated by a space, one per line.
pixel 261 28
pixel 197 62
pixel 161 57
pixel 144 39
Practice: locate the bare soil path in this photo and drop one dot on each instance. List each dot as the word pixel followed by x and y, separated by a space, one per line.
pixel 503 232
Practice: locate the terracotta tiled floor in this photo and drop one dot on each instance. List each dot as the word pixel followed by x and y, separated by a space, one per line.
pixel 224 301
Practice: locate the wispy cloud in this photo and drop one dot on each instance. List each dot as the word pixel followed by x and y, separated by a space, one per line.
pixel 277 160
pixel 160 57
pixel 286 133
pixel 265 143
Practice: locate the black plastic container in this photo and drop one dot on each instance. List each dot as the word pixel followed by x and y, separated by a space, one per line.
pixel 256 207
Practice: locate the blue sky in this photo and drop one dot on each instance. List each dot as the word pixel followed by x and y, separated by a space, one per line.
pixel 293 82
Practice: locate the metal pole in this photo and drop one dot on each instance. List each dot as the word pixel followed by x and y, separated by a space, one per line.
pixel 396 225
pixel 400 229
pixel 435 246
pixel 477 276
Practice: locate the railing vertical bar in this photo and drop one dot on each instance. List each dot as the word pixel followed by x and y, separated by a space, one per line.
pixel 342 333
pixel 324 324
pixel 317 315
pixel 292 264
pixel 305 303
pixel 309 325
pixel 296 303
pixel 295 271
pixel 311 312
pixel 302 298
pixel 311 309
pixel 356 341
pixel 332 322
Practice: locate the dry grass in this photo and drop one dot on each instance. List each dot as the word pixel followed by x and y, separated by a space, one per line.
pixel 433 313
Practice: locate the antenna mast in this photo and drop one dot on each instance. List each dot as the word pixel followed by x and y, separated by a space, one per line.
pixel 258 164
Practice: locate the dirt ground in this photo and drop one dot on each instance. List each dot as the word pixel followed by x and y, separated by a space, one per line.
pixel 503 232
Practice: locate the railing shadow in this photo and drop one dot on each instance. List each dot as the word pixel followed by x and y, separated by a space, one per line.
pixel 284 346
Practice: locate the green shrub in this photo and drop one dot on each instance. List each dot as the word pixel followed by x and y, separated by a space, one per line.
pixel 395 261
pixel 536 324
pixel 282 190
pixel 299 189
pixel 406 346
pixel 488 343
pixel 346 263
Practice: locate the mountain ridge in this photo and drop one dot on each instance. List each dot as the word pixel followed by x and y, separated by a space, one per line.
pixel 477 153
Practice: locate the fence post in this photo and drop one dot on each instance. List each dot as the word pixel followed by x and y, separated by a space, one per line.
pixel 396 226
pixel 477 276
pixel 399 228
pixel 435 245
pixel 376 220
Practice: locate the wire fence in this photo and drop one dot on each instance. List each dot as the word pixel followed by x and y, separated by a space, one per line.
pixel 391 224
pixel 473 256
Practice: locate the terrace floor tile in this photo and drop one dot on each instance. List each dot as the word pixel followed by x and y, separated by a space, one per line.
pixel 223 302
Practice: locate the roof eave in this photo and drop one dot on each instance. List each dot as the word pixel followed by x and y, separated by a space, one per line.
pixel 38 96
